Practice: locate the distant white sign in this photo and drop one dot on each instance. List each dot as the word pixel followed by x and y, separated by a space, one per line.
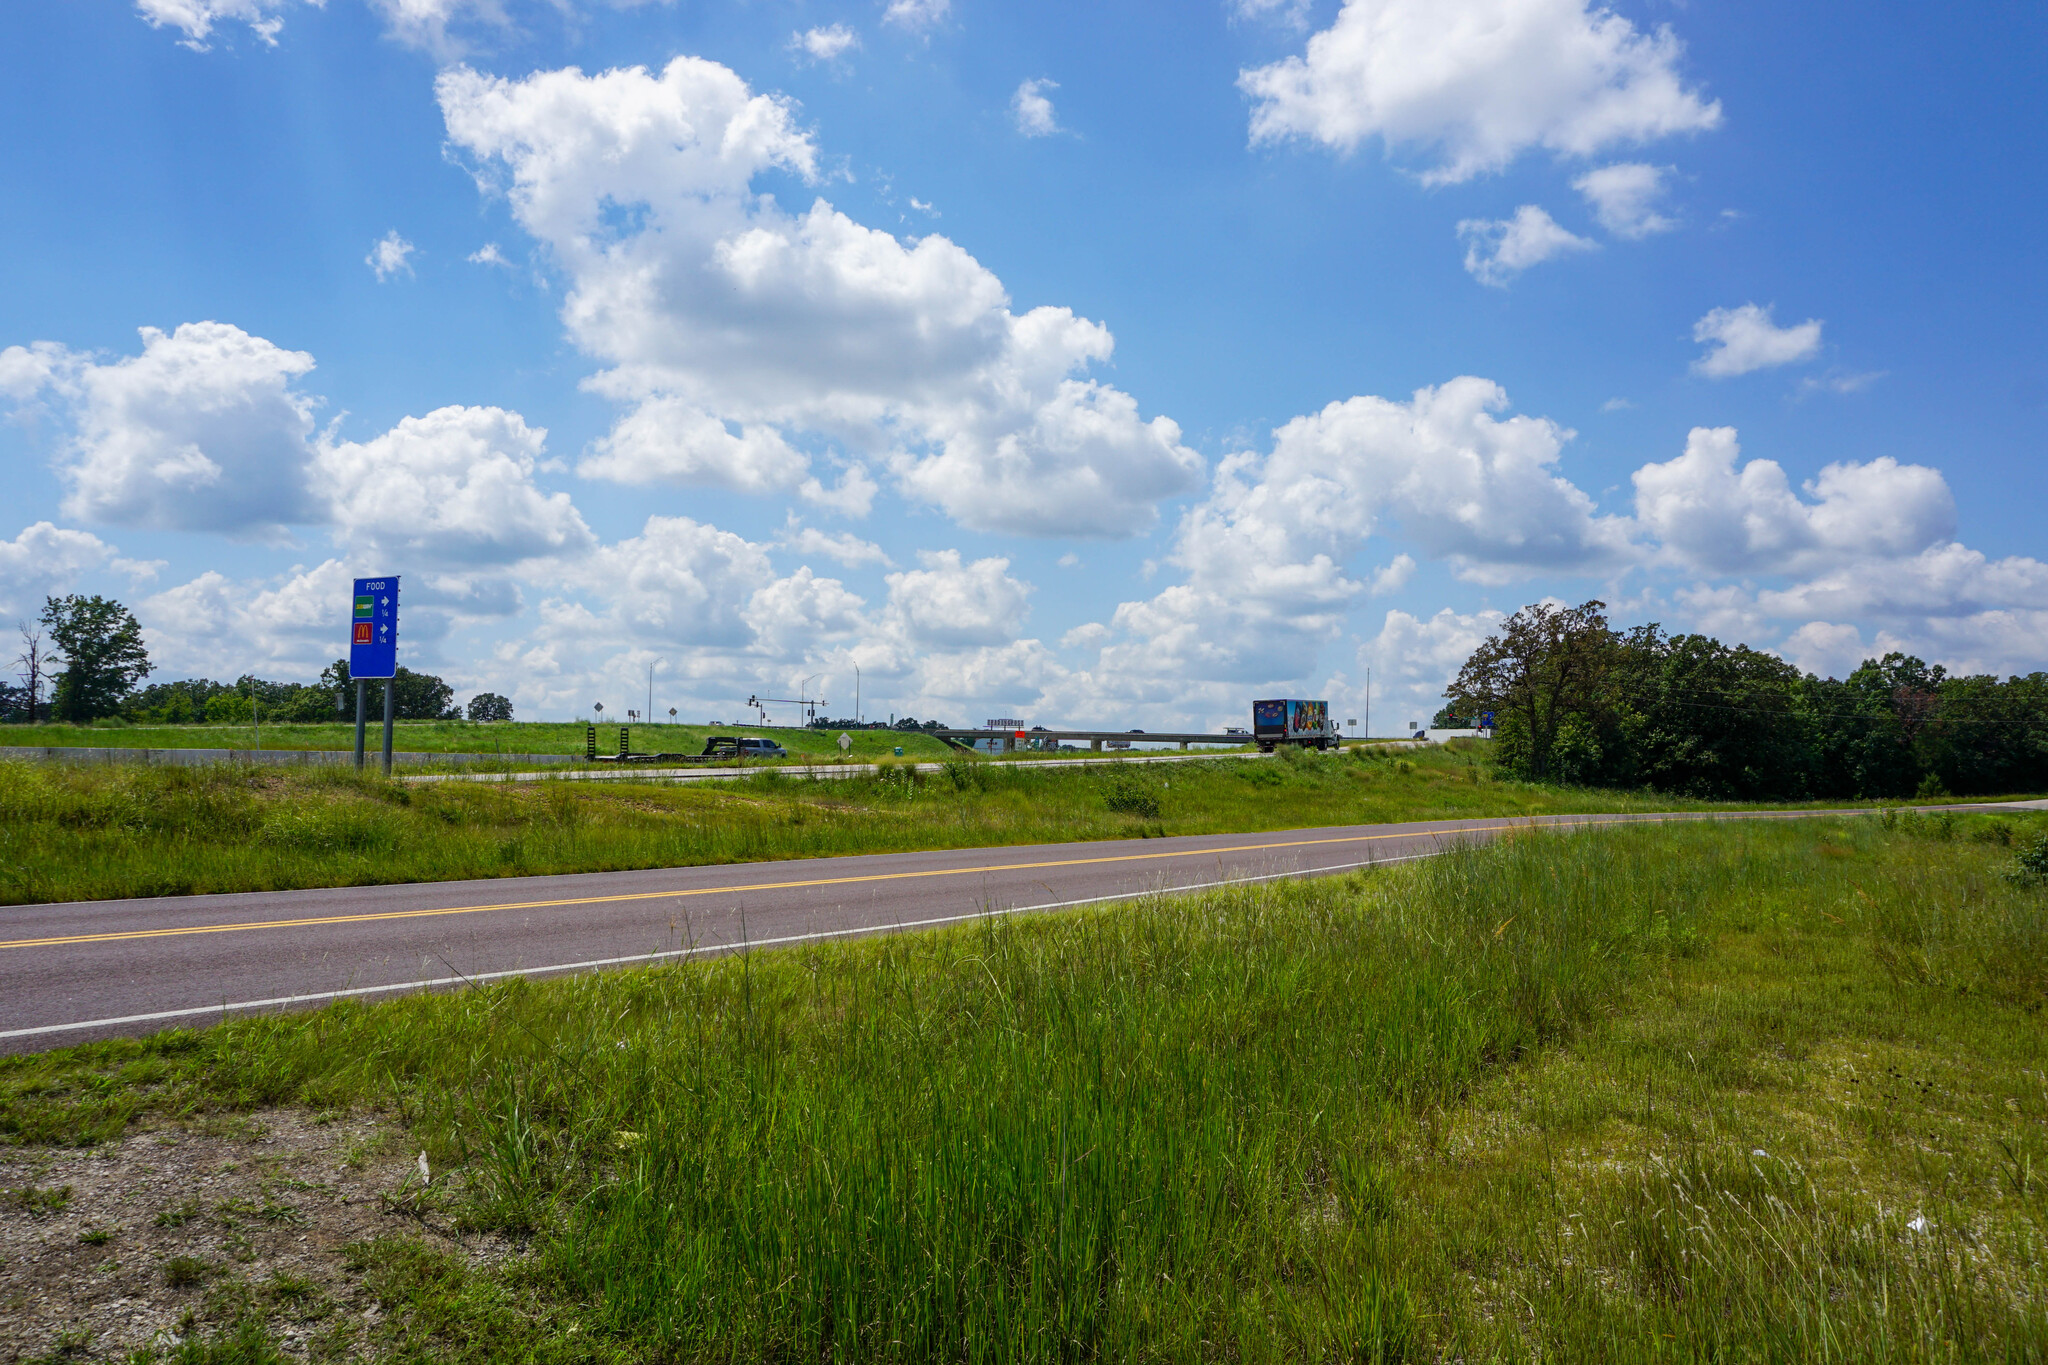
pixel 845 742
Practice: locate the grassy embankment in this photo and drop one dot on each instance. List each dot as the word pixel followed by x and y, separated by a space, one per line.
pixel 98 833
pixel 459 737
pixel 1731 1093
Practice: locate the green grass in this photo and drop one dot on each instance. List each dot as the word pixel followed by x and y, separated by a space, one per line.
pixel 1730 1093
pixel 460 736
pixel 106 832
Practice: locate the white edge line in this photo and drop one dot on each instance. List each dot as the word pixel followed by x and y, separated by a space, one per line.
pixel 1563 821
pixel 706 950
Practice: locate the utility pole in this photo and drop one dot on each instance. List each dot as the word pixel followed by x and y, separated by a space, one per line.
pixel 1368 701
pixel 856 694
pixel 649 712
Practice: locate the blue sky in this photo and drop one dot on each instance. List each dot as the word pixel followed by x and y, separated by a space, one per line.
pixel 1091 362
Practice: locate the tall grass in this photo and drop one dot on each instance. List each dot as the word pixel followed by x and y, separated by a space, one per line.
pixel 1488 1106
pixel 98 833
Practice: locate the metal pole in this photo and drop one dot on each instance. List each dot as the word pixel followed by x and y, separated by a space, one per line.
pixel 856 694
pixel 390 708
pixel 1368 703
pixel 360 718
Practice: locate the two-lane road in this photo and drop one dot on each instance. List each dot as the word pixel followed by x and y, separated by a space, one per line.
pixel 81 970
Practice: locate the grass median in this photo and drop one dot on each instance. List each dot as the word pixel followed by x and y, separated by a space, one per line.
pixel 1713 1092
pixel 458 737
pixel 109 832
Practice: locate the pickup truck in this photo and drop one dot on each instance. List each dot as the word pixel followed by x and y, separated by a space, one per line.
pixel 742 746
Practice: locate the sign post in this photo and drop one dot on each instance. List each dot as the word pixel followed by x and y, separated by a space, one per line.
pixel 373 652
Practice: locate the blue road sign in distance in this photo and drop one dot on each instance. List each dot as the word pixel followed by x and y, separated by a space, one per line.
pixel 373 629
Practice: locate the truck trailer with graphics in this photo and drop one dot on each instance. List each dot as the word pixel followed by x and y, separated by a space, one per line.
pixel 1285 720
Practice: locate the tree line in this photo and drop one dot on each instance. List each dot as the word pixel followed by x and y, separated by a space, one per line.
pixel 1578 702
pixel 84 659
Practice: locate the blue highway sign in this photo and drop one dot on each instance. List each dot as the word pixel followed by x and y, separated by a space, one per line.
pixel 373 629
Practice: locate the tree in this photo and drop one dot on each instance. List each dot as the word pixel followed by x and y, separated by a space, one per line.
pixel 421 696
pixel 490 706
pixel 104 657
pixel 1697 717
pixel 34 662
pixel 1548 663
pixel 176 703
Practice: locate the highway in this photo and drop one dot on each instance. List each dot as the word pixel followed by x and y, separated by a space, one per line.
pixel 76 971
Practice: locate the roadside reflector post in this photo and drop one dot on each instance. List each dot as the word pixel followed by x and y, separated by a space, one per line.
pixel 361 717
pixel 625 742
pixel 590 743
pixel 390 710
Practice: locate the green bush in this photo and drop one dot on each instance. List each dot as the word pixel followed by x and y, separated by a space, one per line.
pixel 1130 795
pixel 2031 867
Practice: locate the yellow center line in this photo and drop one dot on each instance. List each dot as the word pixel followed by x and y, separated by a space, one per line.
pixel 320 921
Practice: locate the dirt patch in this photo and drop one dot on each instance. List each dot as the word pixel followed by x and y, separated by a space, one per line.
pixel 184 1228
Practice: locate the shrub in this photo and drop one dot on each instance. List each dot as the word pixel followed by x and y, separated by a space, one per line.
pixel 1130 795
pixel 2031 867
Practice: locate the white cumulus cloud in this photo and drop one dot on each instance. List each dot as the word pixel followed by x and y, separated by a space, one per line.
pixel 917 16
pixel 826 43
pixel 667 440
pixel 1292 13
pixel 390 255
pixel 1498 250
pixel 1624 198
pixel 205 430
pixel 702 294
pixel 454 487
pixel 1745 339
pixel 196 18
pixel 45 560
pixel 843 546
pixel 1708 514
pixel 948 603
pixel 1474 83
pixel 1032 110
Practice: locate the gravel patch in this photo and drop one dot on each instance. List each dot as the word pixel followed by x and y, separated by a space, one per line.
pixel 178 1229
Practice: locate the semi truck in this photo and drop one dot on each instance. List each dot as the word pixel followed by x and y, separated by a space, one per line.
pixel 1285 720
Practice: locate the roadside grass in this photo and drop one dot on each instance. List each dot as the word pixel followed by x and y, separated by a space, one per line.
pixel 113 832
pixel 1701 1092
pixel 459 736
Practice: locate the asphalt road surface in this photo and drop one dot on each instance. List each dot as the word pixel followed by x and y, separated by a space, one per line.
pixel 93 969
